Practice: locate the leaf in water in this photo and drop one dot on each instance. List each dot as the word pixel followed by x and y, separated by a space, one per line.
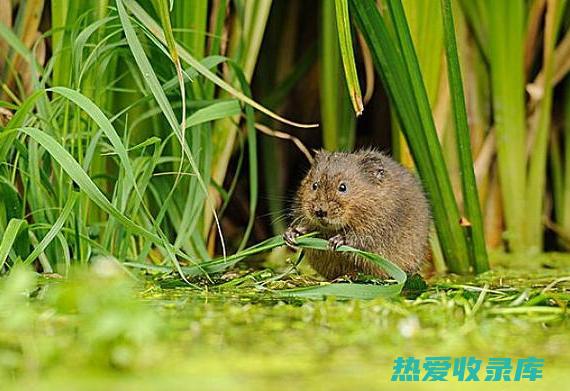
pixel 343 291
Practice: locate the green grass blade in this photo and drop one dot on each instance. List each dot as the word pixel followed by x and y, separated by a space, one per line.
pixel 54 230
pixel 154 85
pixel 350 291
pixel 255 20
pixel 80 43
pixel 347 55
pixel 195 20
pixel 10 201
pixel 170 42
pixel 26 107
pixel 64 14
pixel 217 25
pixel 329 83
pixel 144 18
pixel 163 12
pixel 345 291
pixel 15 43
pixel 103 122
pixel 190 73
pixel 152 81
pixel 475 13
pixel 213 112
pixel 9 237
pixel 424 19
pixel 480 262
pixel 79 176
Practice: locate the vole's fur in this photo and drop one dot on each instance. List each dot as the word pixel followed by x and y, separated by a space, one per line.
pixel 381 208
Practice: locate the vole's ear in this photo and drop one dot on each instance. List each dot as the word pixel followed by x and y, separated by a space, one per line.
pixel 320 154
pixel 373 164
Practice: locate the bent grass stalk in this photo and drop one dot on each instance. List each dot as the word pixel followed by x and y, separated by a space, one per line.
pixel 338 290
pixel 347 54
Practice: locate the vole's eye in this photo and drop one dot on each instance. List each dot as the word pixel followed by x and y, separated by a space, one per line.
pixel 342 187
pixel 315 185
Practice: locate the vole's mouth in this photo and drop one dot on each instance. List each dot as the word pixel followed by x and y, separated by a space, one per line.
pixel 327 223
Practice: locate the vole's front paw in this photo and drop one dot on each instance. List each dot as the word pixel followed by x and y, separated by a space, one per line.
pixel 350 276
pixel 336 241
pixel 290 236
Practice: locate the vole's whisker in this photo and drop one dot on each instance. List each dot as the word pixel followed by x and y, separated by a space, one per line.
pixel 279 219
pixel 275 213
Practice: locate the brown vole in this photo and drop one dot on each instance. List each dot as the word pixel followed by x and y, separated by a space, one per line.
pixel 365 200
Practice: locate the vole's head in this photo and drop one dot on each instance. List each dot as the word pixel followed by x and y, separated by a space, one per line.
pixel 338 186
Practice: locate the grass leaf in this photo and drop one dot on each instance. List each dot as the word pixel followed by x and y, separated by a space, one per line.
pixel 480 262
pixel 9 237
pixel 213 112
pixel 103 122
pixel 347 55
pixel 139 12
pixel 54 230
pixel 76 173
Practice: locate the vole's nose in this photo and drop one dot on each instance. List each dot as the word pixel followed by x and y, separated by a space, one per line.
pixel 320 213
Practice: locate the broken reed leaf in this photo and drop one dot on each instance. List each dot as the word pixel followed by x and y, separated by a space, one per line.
pixel 338 290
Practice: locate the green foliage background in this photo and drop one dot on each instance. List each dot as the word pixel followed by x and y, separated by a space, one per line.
pixel 161 133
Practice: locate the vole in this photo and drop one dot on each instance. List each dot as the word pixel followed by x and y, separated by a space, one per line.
pixel 368 201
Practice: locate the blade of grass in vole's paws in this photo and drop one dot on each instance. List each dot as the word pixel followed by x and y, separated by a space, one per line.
pixel 290 236
pixel 336 241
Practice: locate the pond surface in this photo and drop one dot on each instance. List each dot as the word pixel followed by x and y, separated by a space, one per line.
pixel 101 330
